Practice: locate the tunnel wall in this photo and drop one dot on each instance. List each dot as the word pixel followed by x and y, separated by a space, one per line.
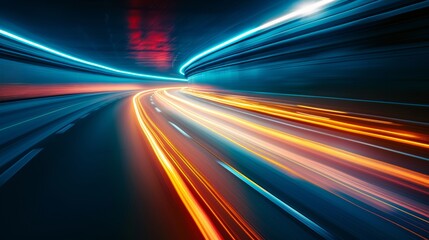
pixel 22 63
pixel 360 49
pixel 28 72
pixel 15 72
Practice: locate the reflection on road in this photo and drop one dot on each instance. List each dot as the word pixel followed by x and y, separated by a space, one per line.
pixel 334 172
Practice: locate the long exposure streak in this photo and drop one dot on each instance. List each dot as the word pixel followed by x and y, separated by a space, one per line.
pixel 30 43
pixel 315 162
pixel 297 119
pixel 294 14
pixel 197 213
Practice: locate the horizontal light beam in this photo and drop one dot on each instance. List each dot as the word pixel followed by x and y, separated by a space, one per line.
pixel 82 61
pixel 303 11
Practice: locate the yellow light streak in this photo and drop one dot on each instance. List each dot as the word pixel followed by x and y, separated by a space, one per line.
pixel 386 168
pixel 353 158
pixel 201 219
pixel 390 134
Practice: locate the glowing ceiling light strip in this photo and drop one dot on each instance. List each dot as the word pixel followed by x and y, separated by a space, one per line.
pixel 308 9
pixel 96 65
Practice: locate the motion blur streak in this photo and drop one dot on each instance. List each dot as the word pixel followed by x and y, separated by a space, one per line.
pixel 32 44
pixel 214 119
pixel 24 91
pixel 303 11
pixel 385 184
pixel 337 153
pixel 322 232
pixel 197 213
pixel 293 113
pixel 26 123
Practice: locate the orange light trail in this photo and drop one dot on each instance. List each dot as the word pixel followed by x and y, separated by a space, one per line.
pixel 262 107
pixel 375 195
pixel 200 217
pixel 382 167
pixel 332 168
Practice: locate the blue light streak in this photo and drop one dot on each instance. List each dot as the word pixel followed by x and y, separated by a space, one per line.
pixel 82 61
pixel 297 215
pixel 301 12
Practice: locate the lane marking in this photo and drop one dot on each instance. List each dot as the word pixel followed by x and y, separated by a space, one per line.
pixel 180 130
pixel 157 109
pixel 64 129
pixel 294 213
pixel 18 165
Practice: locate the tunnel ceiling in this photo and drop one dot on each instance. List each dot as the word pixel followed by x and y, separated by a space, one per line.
pixel 150 36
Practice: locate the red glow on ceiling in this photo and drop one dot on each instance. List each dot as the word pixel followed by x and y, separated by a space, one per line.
pixel 149 38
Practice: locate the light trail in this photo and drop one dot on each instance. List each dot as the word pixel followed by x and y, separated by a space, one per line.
pixel 346 184
pixel 300 12
pixel 390 192
pixel 324 133
pixel 379 166
pixel 200 217
pixel 40 116
pixel 24 91
pixel 292 114
pixel 30 43
pixel 303 219
pixel 330 174
pixel 176 159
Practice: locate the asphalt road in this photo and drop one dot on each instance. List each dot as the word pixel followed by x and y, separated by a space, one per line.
pixel 193 163
pixel 290 167
pixel 80 182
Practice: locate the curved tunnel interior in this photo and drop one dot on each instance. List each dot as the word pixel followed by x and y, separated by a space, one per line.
pixel 215 119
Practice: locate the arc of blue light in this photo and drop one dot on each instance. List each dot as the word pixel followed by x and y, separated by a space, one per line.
pixel 294 14
pixel 294 213
pixel 82 61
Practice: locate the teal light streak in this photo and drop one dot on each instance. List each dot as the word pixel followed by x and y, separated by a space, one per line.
pixel 82 61
pixel 301 12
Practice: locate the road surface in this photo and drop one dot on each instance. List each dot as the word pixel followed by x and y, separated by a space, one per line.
pixel 203 163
